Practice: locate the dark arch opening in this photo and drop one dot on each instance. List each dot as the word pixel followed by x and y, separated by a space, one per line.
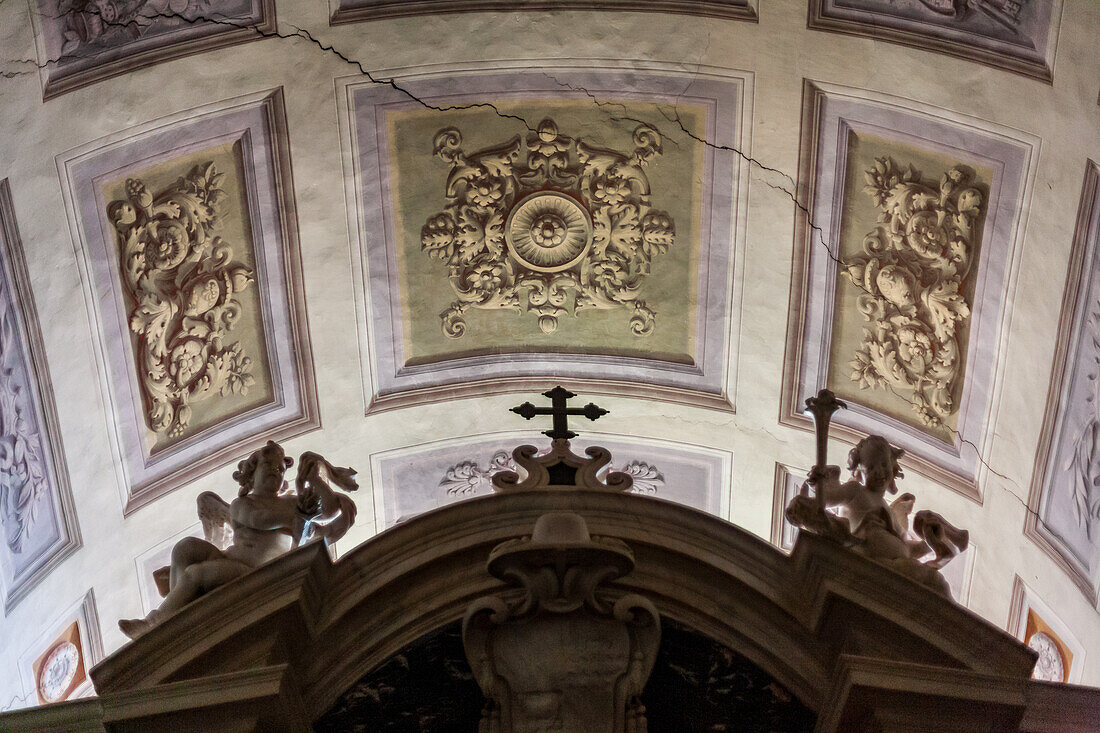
pixel 697 686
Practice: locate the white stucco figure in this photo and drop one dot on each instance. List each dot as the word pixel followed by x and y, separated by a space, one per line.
pixel 864 520
pixel 266 520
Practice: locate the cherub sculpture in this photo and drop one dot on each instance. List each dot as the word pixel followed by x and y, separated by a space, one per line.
pixel 266 520
pixel 869 525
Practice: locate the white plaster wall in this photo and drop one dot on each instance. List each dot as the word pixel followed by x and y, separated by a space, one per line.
pixel 779 50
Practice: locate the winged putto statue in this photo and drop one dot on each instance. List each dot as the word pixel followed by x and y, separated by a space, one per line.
pixel 855 512
pixel 267 519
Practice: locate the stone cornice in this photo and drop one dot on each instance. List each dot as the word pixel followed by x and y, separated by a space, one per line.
pixel 792 615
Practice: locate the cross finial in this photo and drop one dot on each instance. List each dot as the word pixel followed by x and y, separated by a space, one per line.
pixel 558 410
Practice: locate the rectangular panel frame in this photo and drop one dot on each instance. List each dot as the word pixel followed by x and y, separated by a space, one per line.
pixel 388 384
pixel 383 489
pixel 356 11
pixel 258 122
pixel 825 16
pixel 69 540
pixel 1086 240
pixel 829 111
pixel 57 79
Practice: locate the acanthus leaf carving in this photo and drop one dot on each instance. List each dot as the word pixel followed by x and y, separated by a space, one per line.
pixel 1083 463
pixel 571 229
pixel 912 274
pixel 183 283
pixel 23 480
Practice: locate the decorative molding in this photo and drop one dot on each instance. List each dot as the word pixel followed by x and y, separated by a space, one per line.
pixel 562 235
pixel 396 375
pixel 467 478
pixel 1013 35
pixel 37 512
pixel 412 480
pixel 256 124
pixel 1029 616
pixel 84 615
pixel 82 43
pixel 785 487
pixel 832 113
pixel 532 678
pixel 528 385
pixel 1062 491
pixel 355 11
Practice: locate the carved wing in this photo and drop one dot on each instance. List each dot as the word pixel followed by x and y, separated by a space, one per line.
pixel 214 514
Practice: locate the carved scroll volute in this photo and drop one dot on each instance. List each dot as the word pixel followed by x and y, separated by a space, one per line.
pixel 561 468
pixel 566 655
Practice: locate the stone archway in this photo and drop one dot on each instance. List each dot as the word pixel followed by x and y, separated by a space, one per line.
pixel 857 645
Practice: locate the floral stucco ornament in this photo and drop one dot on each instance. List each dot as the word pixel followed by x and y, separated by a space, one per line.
pixel 912 275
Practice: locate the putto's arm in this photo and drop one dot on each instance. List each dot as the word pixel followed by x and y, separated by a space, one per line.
pixel 826 482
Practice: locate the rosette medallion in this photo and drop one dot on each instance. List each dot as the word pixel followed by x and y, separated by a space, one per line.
pixel 548 232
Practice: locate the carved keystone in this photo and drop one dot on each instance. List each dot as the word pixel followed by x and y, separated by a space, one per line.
pixel 568 655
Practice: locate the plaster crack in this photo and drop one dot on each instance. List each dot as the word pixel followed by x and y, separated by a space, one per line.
pixel 304 34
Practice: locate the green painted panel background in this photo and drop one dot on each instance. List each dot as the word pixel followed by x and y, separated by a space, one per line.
pixel 235 229
pixel 859 219
pixel 418 180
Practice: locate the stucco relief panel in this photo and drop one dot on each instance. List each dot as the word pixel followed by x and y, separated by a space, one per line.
pixel 185 261
pixel 36 506
pixel 909 243
pixel 1018 35
pixel 902 274
pixel 83 41
pixel 414 480
pixel 188 236
pixel 1066 486
pixel 567 234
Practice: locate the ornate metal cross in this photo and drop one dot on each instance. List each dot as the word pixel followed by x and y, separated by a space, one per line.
pixel 558 410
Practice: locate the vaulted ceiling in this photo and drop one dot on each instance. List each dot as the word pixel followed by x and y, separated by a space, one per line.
pixel 370 229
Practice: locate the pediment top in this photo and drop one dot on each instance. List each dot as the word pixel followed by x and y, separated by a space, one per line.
pixel 561 468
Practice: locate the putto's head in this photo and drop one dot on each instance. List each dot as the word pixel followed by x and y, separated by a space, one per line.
pixel 875 462
pixel 263 469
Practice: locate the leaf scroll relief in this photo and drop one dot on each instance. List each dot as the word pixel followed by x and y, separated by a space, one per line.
pixel 182 283
pixel 23 481
pixel 1083 463
pixel 912 275
pixel 467 478
pixel 569 228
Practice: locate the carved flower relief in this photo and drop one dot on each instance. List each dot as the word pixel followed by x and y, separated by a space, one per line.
pixel 467 478
pixel 611 191
pixel 573 229
pixel 911 276
pixel 182 284
pixel 23 480
pixel 485 192
pixel 1083 463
